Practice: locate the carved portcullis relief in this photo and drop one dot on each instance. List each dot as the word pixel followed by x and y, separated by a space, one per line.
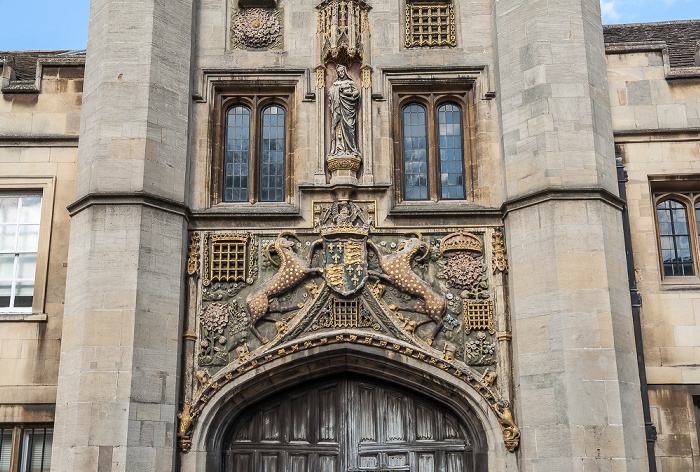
pixel 345 280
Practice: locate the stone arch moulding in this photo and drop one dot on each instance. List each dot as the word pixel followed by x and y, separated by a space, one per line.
pixel 223 398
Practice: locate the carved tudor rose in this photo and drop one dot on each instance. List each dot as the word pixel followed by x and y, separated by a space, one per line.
pixel 256 27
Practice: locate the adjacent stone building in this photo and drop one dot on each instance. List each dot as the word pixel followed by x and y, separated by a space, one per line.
pixel 259 235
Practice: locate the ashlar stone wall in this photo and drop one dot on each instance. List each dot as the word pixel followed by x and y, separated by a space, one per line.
pixel 656 119
pixel 38 148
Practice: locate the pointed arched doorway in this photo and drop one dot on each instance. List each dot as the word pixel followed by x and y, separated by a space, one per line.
pixel 344 424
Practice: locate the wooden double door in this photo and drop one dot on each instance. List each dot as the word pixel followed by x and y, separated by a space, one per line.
pixel 347 425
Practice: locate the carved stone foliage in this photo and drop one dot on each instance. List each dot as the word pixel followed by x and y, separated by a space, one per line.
pixel 256 28
pixel 345 280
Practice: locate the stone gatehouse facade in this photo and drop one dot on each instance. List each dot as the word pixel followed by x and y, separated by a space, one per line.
pixel 282 235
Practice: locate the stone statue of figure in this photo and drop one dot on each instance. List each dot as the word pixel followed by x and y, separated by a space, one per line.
pixel 343 97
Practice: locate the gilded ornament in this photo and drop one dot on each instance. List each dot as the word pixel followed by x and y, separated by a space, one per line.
pixel 320 77
pixel 243 353
pixel 449 352
pixel 293 269
pixel 461 241
pixel 396 269
pixel 256 27
pixel 511 433
pixel 193 256
pixel 366 78
pixel 478 315
pixel 500 260
pixel 489 378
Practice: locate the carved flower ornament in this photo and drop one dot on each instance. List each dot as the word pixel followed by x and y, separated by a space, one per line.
pixel 214 318
pixel 463 271
pixel 256 27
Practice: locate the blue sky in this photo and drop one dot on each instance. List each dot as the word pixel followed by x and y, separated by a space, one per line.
pixel 62 24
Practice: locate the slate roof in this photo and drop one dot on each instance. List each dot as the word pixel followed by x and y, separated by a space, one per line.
pixel 25 61
pixel 680 37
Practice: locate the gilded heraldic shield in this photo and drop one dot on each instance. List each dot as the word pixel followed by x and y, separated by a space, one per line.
pixel 345 256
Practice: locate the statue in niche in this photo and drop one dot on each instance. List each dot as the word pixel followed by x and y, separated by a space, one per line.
pixel 343 97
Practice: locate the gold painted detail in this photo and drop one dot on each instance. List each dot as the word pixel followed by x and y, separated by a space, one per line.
pixel 511 433
pixel 346 314
pixel 378 289
pixel 321 77
pixel 189 336
pixel 478 315
pixel 500 260
pixel 340 26
pixel 205 280
pixel 449 352
pixel 430 24
pixel 335 274
pixel 366 78
pixel 229 254
pixel 504 336
pixel 193 256
pixel 489 378
pixel 500 407
pixel 344 163
pixel 461 241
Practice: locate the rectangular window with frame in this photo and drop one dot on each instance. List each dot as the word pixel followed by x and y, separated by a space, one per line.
pixel 20 218
pixel 25 448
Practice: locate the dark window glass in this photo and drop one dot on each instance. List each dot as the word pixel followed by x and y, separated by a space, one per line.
pixel 675 238
pixel 272 154
pixel 450 151
pixel 415 152
pixel 237 159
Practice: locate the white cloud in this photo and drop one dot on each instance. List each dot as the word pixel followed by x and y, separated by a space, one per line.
pixel 608 11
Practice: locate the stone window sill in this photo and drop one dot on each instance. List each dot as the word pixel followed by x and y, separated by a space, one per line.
pixel 681 283
pixel 23 317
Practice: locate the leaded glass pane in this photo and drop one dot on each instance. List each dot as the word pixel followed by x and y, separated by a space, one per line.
pixel 237 158
pixel 450 151
pixel 415 152
pixel 675 238
pixel 272 154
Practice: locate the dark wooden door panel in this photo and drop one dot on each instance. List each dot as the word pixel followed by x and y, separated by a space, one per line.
pixel 348 425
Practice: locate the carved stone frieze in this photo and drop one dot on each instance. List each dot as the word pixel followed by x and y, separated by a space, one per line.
pixel 346 280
